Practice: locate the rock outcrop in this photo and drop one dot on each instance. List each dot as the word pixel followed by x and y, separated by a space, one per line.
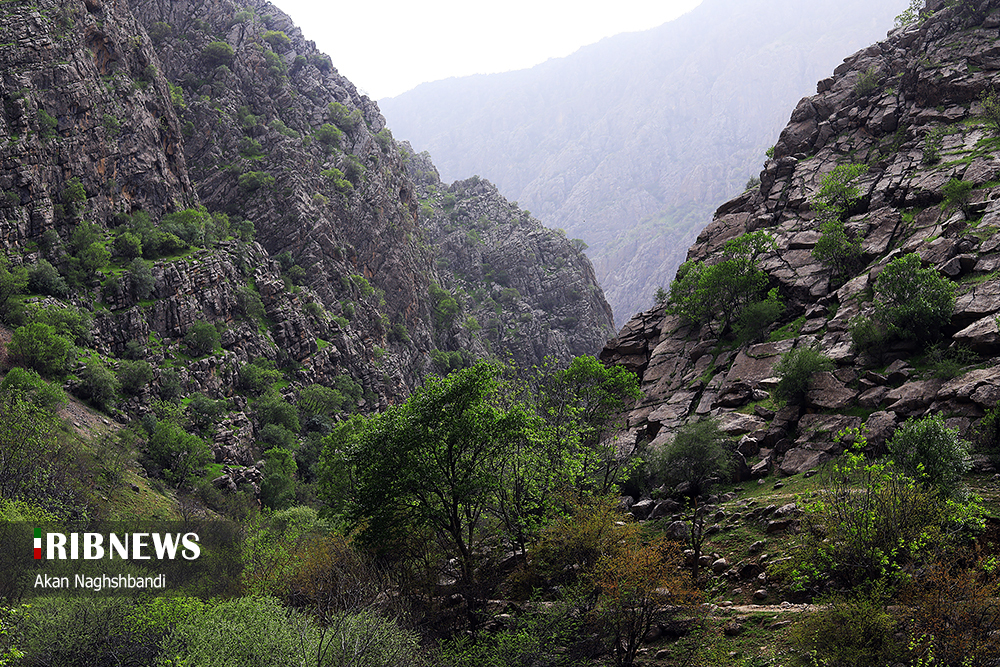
pixel 917 123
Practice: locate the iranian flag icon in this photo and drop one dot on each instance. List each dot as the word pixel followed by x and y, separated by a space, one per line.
pixel 38 543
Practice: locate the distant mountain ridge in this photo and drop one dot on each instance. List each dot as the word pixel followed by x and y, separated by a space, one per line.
pixel 631 143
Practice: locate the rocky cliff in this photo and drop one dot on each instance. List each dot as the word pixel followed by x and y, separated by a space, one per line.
pixel 169 164
pixel 915 112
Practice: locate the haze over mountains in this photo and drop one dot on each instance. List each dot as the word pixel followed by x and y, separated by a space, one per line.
pixel 631 143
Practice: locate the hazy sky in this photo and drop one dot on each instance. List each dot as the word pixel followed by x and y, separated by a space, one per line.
pixel 389 47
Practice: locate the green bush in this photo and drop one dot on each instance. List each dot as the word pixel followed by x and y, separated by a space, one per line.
pixel 344 117
pixel 329 135
pixel 444 307
pixel 141 277
pixel 43 278
pixel 217 53
pixel 257 377
pixel 177 454
pixel 930 452
pixel 248 304
pixel 272 409
pixel 957 193
pixel 795 370
pixel 134 376
pixel 28 383
pixel 255 180
pixel 38 346
pixel 702 293
pixel 700 454
pixel 98 384
pixel 990 102
pixel 202 338
pixel 127 245
pixel 913 302
pixel 856 631
pixel 867 82
pixel 277 39
pixel 757 318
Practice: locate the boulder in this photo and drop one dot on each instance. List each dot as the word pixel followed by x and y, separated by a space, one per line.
pixel 829 393
pixel 801 459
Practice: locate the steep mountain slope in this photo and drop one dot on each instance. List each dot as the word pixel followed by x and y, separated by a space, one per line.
pixel 200 184
pixel 630 144
pixel 918 111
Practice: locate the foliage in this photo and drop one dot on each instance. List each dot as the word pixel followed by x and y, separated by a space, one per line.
pixel 755 320
pixel 913 302
pixel 795 370
pixel 336 178
pixel 257 377
pixel 954 607
pixel 28 384
pixel 344 117
pixel 202 337
pixel 957 193
pixel 277 39
pixel 43 278
pixel 699 455
pixel 431 462
pixel 990 102
pixel 13 283
pixel 27 438
pixel 98 384
pixel 867 82
pixel 179 455
pixel 255 180
pixel 868 522
pixel 134 376
pixel 930 452
pixel 248 304
pixel 911 15
pixel 329 135
pixel 931 152
pixel 836 250
pixel 444 307
pixel 635 581
pixel 838 193
pixel 38 346
pixel 701 293
pixel 217 53
pixel 141 276
pixel 868 337
pixel 127 245
pixel 660 296
pixel 277 491
pixel 271 408
pixel 855 631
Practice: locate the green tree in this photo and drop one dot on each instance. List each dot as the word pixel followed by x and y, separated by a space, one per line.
pixel 699 455
pixel 13 283
pixel 134 376
pixel 431 463
pixel 217 53
pixel 837 197
pixel 990 102
pixel 141 276
pixel 957 193
pixel 202 337
pixel 795 370
pixel 702 293
pixel 930 452
pixel 98 383
pixel 913 302
pixel 38 346
pixel 177 454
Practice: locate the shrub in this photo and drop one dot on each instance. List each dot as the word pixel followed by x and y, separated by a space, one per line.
pixel 248 304
pixel 43 278
pixel 28 383
pixel 176 453
pixel 141 276
pixel 702 293
pixel 329 135
pixel 699 455
pixel 795 370
pixel 38 346
pixel 202 338
pixel 272 409
pixel 913 302
pixel 277 39
pixel 957 193
pixel 867 336
pixel 74 194
pixel 867 82
pixel 134 376
pixel 257 377
pixel 990 102
pixel 756 318
pixel 838 194
pixel 835 249
pixel 930 452
pixel 444 307
pixel 855 631
pixel 931 151
pixel 255 180
pixel 128 245
pixel 98 383
pixel 344 117
pixel 217 53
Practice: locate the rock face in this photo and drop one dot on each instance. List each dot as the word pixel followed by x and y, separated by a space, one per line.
pixel 114 113
pixel 930 79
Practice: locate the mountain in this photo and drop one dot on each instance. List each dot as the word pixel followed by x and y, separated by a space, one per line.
pixel 630 144
pixel 906 131
pixel 196 187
